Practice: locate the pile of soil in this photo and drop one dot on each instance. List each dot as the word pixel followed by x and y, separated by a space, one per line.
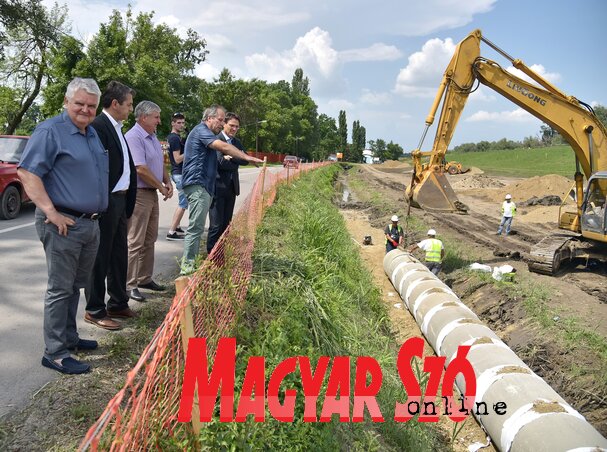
pixel 538 186
pixel 392 164
pixel 472 181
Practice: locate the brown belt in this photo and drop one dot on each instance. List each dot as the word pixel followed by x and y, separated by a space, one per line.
pixel 119 192
pixel 146 188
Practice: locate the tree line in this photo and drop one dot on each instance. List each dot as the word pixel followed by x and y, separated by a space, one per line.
pixel 547 137
pixel 39 56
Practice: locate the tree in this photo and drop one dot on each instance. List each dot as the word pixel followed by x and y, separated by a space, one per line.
pixel 32 34
pixel 329 137
pixel 300 84
pixel 342 130
pixel 152 59
pixel 379 148
pixel 601 113
pixel 394 151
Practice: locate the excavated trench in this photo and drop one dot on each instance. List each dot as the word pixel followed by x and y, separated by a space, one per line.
pixel 576 293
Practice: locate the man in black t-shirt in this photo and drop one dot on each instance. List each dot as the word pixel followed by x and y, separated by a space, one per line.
pixel 176 147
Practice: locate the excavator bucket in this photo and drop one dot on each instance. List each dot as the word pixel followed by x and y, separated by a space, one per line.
pixel 435 193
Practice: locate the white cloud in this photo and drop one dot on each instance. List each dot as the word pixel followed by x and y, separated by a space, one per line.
pixel 313 52
pixel 340 104
pixel 517 115
pixel 372 98
pixel 207 71
pixel 170 21
pixel 421 77
pixel 552 77
pixel 219 43
pixel 376 52
pixel 429 16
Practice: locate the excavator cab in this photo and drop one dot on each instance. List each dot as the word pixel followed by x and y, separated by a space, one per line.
pixel 594 209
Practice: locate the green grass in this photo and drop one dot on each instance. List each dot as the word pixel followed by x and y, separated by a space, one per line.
pixel 521 162
pixel 311 295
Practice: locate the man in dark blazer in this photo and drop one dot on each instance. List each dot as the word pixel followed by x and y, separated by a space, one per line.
pixel 111 260
pixel 227 184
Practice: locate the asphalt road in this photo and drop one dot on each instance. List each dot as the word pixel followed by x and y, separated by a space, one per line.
pixel 22 287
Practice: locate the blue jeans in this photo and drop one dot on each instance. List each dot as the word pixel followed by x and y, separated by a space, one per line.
pixel 183 200
pixel 69 260
pixel 199 201
pixel 506 222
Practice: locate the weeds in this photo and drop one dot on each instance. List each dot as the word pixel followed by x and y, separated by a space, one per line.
pixel 310 295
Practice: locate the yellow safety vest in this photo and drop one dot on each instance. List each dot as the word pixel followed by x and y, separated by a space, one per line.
pixel 433 254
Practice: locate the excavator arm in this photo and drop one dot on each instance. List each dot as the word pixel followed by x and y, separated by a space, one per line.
pixel 574 120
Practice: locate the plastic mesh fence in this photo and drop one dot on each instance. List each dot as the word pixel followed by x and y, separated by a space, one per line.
pixel 143 414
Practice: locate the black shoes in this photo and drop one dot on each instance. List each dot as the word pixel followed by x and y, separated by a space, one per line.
pixel 136 295
pixel 152 286
pixel 84 344
pixel 67 366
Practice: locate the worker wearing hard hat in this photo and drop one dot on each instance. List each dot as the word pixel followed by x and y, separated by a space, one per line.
pixel 508 212
pixel 435 251
pixel 394 234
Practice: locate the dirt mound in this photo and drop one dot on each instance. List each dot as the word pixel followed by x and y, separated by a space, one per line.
pixel 548 200
pixel 393 164
pixel 474 171
pixel 538 186
pixel 467 182
pixel 542 215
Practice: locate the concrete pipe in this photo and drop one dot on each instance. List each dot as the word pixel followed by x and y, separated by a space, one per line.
pixel 536 418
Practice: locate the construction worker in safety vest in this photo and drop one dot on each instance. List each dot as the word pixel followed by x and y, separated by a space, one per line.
pixel 508 212
pixel 394 235
pixel 435 251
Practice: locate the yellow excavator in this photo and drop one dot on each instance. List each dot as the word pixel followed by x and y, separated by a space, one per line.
pixel 453 168
pixel 586 227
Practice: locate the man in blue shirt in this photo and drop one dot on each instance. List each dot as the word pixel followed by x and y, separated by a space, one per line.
pixel 199 174
pixel 64 170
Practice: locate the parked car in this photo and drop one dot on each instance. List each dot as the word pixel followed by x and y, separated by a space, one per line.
pixel 290 161
pixel 332 158
pixel 12 194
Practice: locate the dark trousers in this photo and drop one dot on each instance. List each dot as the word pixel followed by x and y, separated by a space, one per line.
pixel 220 215
pixel 69 260
pixel 111 262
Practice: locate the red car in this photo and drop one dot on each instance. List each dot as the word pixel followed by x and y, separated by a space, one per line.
pixel 12 194
pixel 290 161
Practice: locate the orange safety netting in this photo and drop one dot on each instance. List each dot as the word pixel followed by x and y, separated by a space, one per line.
pixel 143 414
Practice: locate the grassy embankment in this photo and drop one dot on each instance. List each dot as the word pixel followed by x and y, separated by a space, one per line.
pixel 310 295
pixel 521 162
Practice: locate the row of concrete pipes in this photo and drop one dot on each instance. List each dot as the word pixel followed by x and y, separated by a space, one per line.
pixel 537 418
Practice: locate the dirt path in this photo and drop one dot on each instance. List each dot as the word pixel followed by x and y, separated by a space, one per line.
pixel 575 294
pixel 403 324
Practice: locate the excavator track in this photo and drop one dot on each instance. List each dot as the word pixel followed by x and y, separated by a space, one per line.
pixel 547 256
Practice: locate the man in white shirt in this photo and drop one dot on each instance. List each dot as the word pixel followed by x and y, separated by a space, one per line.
pixel 111 260
pixel 508 212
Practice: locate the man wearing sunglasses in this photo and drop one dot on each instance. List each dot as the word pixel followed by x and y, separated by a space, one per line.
pixel 227 184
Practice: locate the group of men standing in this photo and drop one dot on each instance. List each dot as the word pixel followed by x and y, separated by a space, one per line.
pixel 97 208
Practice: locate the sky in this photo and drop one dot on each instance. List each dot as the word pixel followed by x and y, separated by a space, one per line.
pixel 382 63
